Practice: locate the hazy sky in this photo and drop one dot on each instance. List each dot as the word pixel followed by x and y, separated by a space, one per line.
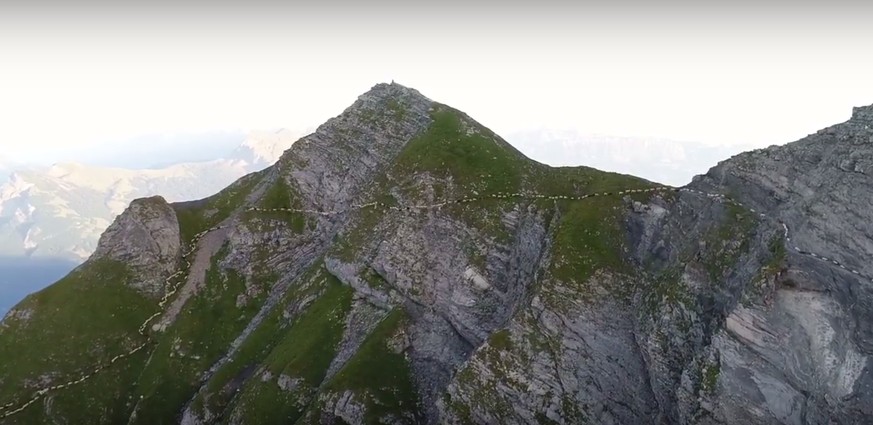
pixel 76 74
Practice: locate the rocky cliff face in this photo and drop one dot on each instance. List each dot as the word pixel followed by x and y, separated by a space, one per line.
pixel 145 238
pixel 805 355
pixel 403 264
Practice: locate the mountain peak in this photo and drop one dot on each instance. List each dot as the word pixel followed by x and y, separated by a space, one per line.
pixel 390 94
pixel 863 113
pixel 384 101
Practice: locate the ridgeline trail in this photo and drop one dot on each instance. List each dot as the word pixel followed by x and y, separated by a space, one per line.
pixel 175 280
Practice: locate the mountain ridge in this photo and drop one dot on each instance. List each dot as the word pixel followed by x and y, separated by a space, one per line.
pixel 479 309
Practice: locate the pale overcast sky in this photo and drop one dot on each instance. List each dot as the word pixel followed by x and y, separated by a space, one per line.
pixel 77 75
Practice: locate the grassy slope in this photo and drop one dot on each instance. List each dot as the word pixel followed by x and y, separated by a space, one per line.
pixel 300 352
pixel 281 195
pixel 82 320
pixel 474 157
pixel 201 335
pixel 222 387
pixel 85 319
pixel 80 305
pixel 379 376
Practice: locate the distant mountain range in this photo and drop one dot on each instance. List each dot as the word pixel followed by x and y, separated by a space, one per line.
pixel 661 160
pixel 60 211
pixel 6 167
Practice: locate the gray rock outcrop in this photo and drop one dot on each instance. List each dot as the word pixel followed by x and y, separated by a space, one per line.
pixel 145 237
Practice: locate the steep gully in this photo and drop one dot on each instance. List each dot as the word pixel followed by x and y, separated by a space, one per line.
pixel 174 286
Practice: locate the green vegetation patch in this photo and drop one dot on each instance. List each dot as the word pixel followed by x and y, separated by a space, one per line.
pixel 501 340
pixel 281 196
pixel 83 320
pixel 588 238
pixel 201 334
pixel 668 289
pixel 379 375
pixel 460 409
pixel 301 358
pixel 503 359
pixel 487 217
pixel 759 288
pixel 470 154
pixel 309 346
pixel 778 254
pixel 397 109
pixel 373 279
pixel 481 391
pixel 557 181
pixel 104 398
pixel 222 386
pixel 710 377
pixel 728 242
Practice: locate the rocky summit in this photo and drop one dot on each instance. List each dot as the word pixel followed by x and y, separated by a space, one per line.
pixel 403 264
